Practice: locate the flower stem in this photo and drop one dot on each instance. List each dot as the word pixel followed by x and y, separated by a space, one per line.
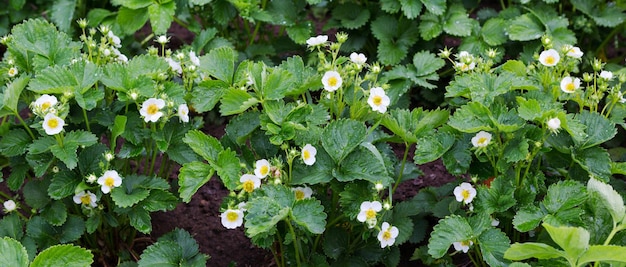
pixel 86 120
pixel 406 153
pixel 32 136
pixel 296 242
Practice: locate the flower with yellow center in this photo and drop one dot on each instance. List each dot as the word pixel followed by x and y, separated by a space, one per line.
pixel 52 124
pixel 262 168
pixel 358 58
pixel 368 212
pixel 378 100
pixel 183 113
pixel 151 109
pixel 250 182
pixel 481 139
pixel 44 102
pixel 308 154
pixel 573 51
pixel 302 192
pixel 569 84
pixel 232 219
pixel 387 235
pixel 549 58
pixel 463 245
pixel 87 199
pixel 465 193
pixel 331 81
pixel 109 180
pixel 12 72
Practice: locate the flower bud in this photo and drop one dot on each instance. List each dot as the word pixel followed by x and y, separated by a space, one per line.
pixel 342 37
pixel 82 23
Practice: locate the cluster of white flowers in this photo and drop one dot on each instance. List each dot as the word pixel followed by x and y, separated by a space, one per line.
pixel 465 61
pixel 46 106
pixel 151 110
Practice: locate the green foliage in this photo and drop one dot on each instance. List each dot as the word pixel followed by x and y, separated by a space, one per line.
pixel 176 248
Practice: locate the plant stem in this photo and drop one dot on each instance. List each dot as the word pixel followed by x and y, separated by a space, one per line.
pixel 296 242
pixel 32 136
pixel 86 120
pixel 406 153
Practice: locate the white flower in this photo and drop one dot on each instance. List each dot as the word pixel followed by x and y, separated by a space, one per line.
pixel 554 124
pixel 462 245
pixel 151 109
pixel 162 39
pixel 317 41
pixel 308 154
pixel 358 59
pixel 85 198
pixel 549 57
pixel 108 156
pixel 109 180
pixel 232 219
pixel 620 95
pixel 495 222
pixel 120 57
pixel 387 235
pixel 9 205
pixel 106 52
pixel 91 178
pixel 569 84
pixel 261 168
pixel 607 75
pixel 368 211
pixel 378 100
pixel 12 72
pixel 44 102
pixel 114 39
pixel 183 113
pixel 250 182
pixel 379 187
pixel 573 51
pixel 52 124
pixel 331 81
pixel 194 59
pixel 462 66
pixel 174 65
pixel 302 192
pixel 242 206
pixel 464 193
pixel 482 139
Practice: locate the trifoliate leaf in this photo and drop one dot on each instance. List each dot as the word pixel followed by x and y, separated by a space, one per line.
pixel 364 164
pixel 12 253
pixel 598 128
pixel 528 109
pixel 11 226
pixel 63 255
pixel 125 197
pixel 55 213
pixel 162 253
pixel 208 147
pixel 390 53
pixel 604 14
pixel 431 147
pixel 161 16
pixel 341 137
pixel 499 197
pixel 451 229
pixel 471 118
pixel 493 244
pixel 66 153
pixel 609 197
pixel 458 158
pixel 309 213
pixel 299 32
pixel 411 9
pixel 207 94
pixel 236 101
pixel 219 63
pixel 192 176
pixel 305 76
pixel 59 79
pixel 574 240
pixel 525 28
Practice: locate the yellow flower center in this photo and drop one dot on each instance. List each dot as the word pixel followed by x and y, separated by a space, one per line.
pixel 306 154
pixel 370 214
pixel 299 195
pixel 264 170
pixel 109 181
pixel 45 106
pixel 248 186
pixel 86 199
pixel 386 235
pixel 152 109
pixel 465 193
pixel 550 60
pixel 570 87
pixel 53 123
pixel 232 216
pixel 464 67
pixel 378 100
pixel 465 243
pixel 12 71
pixel 482 140
pixel 332 81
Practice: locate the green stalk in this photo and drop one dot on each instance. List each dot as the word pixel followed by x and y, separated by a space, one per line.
pixel 86 120
pixel 296 242
pixel 32 136
pixel 406 153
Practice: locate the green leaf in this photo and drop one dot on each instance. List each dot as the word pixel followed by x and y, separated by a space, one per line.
pixel 127 197
pixel 228 168
pixel 574 240
pixel 276 84
pixel 207 94
pixel 12 253
pixel 320 172
pixel 528 218
pixel 342 137
pixel 493 31
pixel 493 244
pixel 66 153
pixel 390 53
pixel 336 241
pixel 436 7
pixel 529 110
pixel 426 63
pixel 263 215
pixel 451 229
pixel 192 176
pixel 11 226
pixel 411 9
pixel 499 197
pixel 604 14
pixel 598 129
pixel 595 160
pixel 62 13
pixel 14 143
pixel 219 63
pixel 518 252
pixel 236 101
pixel 525 28
pixel 564 195
pixel 12 93
pixel 471 118
pixel 208 147
pixel 55 213
pixel 59 79
pixel 81 138
pixel 431 147
pixel 309 213
pixel 131 20
pixel 63 184
pixel 140 219
pixel 458 23
pixel 430 26
pixel 351 16
pixel 604 253
pixel 162 253
pixel 161 16
pixel 63 255
pixel 609 197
